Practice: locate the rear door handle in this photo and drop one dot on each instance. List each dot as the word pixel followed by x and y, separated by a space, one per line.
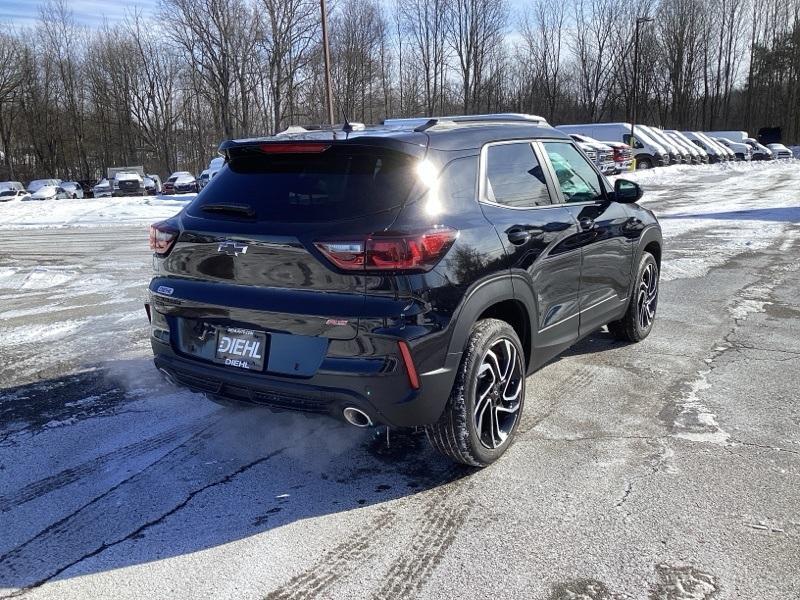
pixel 519 236
pixel 586 223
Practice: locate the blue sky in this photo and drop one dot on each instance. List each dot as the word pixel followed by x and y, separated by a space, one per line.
pixel 87 12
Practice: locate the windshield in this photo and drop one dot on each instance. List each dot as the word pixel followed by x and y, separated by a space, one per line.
pixel 8 193
pixel 337 183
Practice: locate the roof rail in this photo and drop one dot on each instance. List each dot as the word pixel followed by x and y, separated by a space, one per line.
pixel 423 123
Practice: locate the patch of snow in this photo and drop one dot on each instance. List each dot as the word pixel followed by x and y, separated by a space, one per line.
pixel 90 212
pixel 30 334
pixel 694 421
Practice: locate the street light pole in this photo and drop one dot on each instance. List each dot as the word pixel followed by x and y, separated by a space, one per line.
pixel 327 54
pixel 639 21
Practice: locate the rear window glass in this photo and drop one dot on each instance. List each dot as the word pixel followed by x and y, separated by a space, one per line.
pixel 337 184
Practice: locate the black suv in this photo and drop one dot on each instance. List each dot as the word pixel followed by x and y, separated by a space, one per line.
pixel 411 274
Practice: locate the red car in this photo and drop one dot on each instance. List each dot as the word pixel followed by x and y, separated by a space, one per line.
pixel 169 186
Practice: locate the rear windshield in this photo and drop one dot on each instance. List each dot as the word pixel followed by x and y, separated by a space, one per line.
pixel 339 183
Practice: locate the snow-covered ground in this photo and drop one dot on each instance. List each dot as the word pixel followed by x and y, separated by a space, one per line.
pixel 90 212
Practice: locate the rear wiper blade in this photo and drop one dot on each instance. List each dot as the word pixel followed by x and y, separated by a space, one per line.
pixel 244 210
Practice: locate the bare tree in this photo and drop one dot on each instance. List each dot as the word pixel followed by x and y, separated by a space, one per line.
pixel 474 28
pixel 11 74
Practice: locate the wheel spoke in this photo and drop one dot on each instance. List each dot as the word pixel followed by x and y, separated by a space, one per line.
pixel 494 364
pixel 498 435
pixel 511 358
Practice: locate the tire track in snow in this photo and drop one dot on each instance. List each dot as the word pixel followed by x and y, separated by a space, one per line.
pixel 91 467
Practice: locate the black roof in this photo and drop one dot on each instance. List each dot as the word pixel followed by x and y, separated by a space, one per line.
pixel 416 135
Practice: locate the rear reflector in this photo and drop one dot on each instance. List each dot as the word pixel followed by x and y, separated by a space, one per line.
pixel 411 370
pixel 296 148
pixel 162 237
pixel 390 252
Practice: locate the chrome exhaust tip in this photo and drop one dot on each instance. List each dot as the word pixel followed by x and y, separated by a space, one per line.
pixel 170 379
pixel 357 417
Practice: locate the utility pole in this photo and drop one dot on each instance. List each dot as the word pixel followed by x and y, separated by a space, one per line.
pixel 327 54
pixel 639 21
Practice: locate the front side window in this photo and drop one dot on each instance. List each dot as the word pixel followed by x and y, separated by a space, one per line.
pixel 627 139
pixel 579 182
pixel 514 177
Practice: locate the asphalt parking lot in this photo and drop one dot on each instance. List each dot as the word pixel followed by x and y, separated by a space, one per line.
pixel 667 470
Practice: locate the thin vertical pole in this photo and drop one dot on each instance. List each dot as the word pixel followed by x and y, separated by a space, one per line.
pixel 327 54
pixel 635 83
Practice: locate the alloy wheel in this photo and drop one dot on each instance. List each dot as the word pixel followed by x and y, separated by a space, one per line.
pixel 647 297
pixel 498 393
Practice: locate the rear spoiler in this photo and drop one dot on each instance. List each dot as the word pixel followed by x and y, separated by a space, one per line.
pixel 305 142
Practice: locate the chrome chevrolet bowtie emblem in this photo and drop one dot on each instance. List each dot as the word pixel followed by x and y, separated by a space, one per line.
pixel 232 248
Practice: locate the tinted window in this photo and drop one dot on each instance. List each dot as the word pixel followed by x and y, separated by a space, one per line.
pixel 514 176
pixel 338 183
pixel 457 182
pixel 579 182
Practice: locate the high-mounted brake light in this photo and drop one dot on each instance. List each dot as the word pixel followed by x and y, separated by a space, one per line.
pixel 389 251
pixel 295 148
pixel 162 237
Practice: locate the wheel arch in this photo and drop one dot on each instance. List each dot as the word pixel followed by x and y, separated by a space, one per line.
pixel 495 299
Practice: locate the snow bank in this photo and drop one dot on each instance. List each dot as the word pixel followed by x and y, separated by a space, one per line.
pixel 90 212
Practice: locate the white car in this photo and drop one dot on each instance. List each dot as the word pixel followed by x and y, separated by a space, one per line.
pixel 73 189
pixel 780 151
pixel 36 184
pixel 214 166
pixel 698 156
pixel 760 152
pixel 742 151
pixel 604 153
pixel 8 194
pixel 49 192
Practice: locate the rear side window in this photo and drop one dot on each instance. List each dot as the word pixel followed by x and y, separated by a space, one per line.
pixel 514 177
pixel 336 184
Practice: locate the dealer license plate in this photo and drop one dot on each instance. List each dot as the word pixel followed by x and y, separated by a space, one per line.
pixel 241 348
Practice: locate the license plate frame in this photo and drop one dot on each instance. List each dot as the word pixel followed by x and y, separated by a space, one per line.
pixel 240 348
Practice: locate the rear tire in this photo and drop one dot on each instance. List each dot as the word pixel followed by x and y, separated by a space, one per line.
pixel 484 409
pixel 641 313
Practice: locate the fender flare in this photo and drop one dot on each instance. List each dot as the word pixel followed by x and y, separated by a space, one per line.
pixel 652 233
pixel 485 294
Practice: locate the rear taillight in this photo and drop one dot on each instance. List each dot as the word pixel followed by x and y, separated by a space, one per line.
pixel 162 236
pixel 390 252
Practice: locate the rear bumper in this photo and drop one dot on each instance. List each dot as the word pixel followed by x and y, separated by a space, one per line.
pixel 386 397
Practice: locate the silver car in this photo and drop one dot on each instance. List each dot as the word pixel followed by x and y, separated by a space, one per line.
pixel 73 189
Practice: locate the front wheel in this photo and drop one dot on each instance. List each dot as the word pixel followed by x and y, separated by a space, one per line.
pixel 641 313
pixel 644 163
pixel 483 411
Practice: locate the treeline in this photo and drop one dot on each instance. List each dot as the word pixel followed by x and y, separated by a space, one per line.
pixel 163 90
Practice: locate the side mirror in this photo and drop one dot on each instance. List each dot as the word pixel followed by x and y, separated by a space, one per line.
pixel 626 192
